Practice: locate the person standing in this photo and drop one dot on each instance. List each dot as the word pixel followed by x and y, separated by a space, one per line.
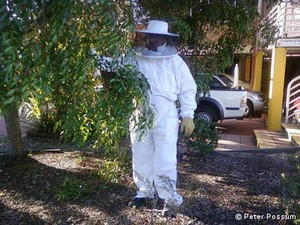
pixel 154 158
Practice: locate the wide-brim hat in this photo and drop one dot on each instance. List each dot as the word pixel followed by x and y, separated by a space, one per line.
pixel 157 27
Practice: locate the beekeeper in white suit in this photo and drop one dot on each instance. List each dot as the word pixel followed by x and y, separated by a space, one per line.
pixel 154 157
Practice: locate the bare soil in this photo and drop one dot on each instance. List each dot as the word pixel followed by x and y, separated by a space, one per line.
pixel 217 189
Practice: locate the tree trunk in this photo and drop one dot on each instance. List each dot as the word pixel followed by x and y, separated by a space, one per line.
pixel 13 128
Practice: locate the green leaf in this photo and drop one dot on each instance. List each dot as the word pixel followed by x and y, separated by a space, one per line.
pixel 10 50
pixel 9 100
pixel 11 92
pixel 25 95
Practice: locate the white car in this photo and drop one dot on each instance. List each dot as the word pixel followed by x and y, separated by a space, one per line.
pixel 220 103
pixel 255 100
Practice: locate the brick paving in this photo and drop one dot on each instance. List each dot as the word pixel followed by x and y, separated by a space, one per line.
pixel 235 142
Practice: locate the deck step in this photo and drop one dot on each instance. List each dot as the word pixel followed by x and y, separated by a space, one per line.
pixel 295 139
pixel 290 129
pixel 297 121
pixel 270 139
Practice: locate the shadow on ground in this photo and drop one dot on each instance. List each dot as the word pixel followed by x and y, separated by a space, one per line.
pixel 216 188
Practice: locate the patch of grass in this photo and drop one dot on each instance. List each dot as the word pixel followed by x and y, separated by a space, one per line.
pixel 72 188
pixel 291 183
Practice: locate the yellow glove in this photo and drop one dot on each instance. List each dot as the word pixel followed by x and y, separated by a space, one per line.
pixel 188 126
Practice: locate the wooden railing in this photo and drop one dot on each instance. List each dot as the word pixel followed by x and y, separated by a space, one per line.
pixel 285 17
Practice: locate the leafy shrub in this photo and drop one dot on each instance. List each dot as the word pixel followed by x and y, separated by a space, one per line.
pixel 204 139
pixel 81 159
pixel 115 169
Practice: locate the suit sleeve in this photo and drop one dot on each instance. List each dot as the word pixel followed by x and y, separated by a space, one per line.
pixel 186 89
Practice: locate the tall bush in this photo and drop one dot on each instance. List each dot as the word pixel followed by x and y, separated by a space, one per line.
pixel 46 57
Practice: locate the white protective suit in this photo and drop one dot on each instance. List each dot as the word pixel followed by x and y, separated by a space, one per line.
pixel 154 157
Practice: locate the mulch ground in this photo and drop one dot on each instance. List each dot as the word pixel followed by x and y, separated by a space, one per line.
pixel 222 188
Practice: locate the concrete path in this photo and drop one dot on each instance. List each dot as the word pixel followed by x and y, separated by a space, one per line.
pixel 235 142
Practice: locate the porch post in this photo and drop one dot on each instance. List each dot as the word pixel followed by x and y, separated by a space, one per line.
pixel 247 68
pixel 258 70
pixel 276 88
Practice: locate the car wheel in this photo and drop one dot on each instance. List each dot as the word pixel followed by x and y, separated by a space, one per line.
pixel 207 114
pixel 250 108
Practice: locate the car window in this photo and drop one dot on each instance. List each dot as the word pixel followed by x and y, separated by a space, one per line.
pixel 226 80
pixel 217 84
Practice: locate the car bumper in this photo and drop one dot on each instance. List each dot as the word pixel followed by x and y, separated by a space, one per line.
pixel 258 105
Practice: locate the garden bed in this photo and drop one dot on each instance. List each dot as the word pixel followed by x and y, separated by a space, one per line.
pixel 217 189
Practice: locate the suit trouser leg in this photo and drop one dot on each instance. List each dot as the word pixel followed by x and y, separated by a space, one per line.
pixel 165 161
pixel 142 164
